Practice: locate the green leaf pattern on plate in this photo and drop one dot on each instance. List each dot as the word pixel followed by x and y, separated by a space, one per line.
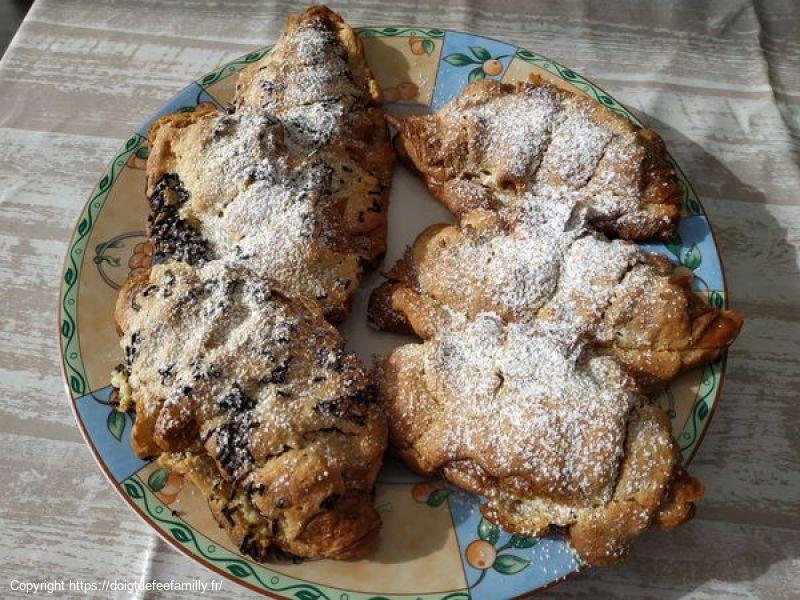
pixel 576 80
pixel 179 534
pixel 437 497
pixel 70 349
pixel 488 531
pixel 481 53
pixel 158 479
pixel 702 407
pixel 232 67
pixel 716 300
pixel 476 73
pixel 478 554
pixel 508 564
pixel 674 245
pixel 238 570
pixel 460 60
pixel 481 57
pixel 368 32
pixel 692 257
pixel 522 541
pixel 143 152
pixel 255 574
pixel 115 422
pixel 133 491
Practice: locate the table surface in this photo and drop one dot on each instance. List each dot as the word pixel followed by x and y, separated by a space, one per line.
pixel 719 80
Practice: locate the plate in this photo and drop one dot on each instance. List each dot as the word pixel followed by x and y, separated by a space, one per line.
pixel 434 543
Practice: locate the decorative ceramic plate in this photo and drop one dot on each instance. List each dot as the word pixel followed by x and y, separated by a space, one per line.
pixel 434 543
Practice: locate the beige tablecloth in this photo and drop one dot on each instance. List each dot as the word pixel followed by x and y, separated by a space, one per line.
pixel 719 80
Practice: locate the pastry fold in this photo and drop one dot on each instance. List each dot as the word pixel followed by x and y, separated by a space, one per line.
pixel 543 336
pixel 262 221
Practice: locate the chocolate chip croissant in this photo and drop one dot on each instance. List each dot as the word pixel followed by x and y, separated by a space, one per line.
pixel 262 220
pixel 293 181
pixel 251 395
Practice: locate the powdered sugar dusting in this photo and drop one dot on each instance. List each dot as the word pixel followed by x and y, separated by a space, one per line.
pixel 512 379
pixel 517 401
pixel 542 140
pixel 233 383
pixel 524 393
pixel 540 261
pixel 591 270
pixel 222 349
pixel 575 149
pixel 260 180
pixel 523 389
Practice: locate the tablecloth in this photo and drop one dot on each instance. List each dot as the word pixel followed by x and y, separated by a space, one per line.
pixel 720 80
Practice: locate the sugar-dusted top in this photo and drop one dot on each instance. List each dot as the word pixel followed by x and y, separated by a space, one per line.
pixel 292 182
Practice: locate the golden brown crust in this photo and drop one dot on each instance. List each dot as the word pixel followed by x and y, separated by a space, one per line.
pixel 679 505
pixel 650 319
pixel 242 388
pixel 534 322
pixel 304 156
pixel 434 393
pixel 658 327
pixel 650 479
pixel 320 516
pixel 251 394
pixel 496 142
pixel 381 313
pixel 616 474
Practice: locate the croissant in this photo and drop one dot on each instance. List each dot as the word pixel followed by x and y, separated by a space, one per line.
pixel 294 181
pixel 542 336
pixel 250 394
pixel 548 436
pixel 262 220
pixel 547 266
pixel 495 142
